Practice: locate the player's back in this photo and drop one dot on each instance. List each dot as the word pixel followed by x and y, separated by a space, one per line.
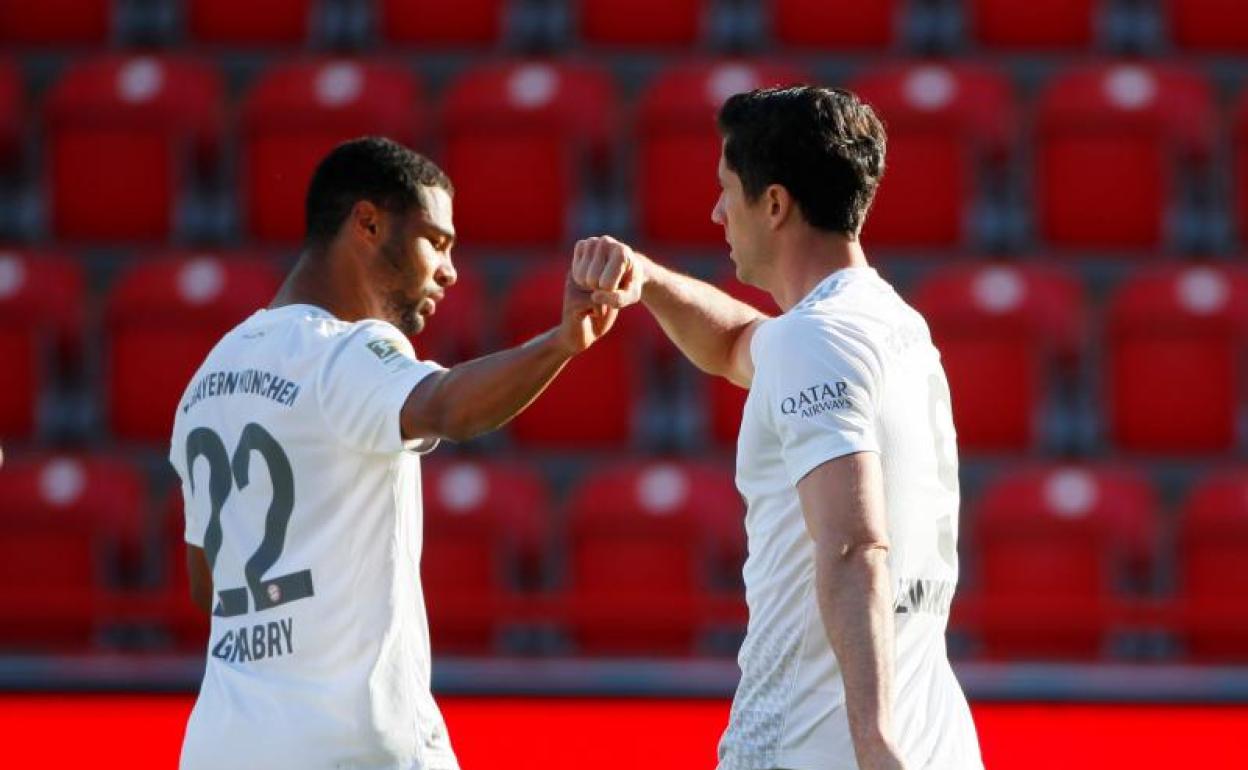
pixel 298 488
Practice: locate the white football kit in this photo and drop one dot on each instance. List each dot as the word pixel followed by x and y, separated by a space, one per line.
pixel 850 368
pixel 306 501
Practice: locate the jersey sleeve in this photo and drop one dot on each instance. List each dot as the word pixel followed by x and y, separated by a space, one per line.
pixel 821 391
pixel 362 386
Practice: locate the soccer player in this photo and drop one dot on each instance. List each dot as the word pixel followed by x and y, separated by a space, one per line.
pixel 297 444
pixel 846 455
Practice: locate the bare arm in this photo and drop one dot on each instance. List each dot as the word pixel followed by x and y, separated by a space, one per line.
pixel 200 577
pixel 710 327
pixel 843 503
pixel 483 394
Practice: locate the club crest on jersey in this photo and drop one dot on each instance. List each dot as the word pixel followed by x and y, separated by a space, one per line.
pixel 817 399
pixel 386 350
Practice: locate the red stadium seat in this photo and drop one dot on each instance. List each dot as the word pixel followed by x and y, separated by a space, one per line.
pixel 67 527
pixel 185 622
pixel 592 404
pixel 1111 139
pixel 1028 24
pixel 1211 25
pixel 640 534
pixel 1213 549
pixel 642 22
pixel 55 22
pixel 245 22
pixel 519 135
pixel 1052 545
pixel 1175 379
pixel 296 113
pixel 437 23
pixel 456 333
pixel 1001 330
pixel 485 539
pixel 724 399
pixel 162 318
pixel 41 312
pixel 678 147
pixel 835 24
pixel 11 114
pixel 122 133
pixel 944 122
pixel 1240 140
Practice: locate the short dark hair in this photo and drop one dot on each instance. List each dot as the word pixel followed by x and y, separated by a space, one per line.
pixel 370 168
pixel 823 145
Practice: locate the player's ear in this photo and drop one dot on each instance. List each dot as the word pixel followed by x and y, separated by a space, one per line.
pixel 779 204
pixel 365 220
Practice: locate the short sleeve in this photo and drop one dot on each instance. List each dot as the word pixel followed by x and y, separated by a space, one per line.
pixel 363 384
pixel 820 389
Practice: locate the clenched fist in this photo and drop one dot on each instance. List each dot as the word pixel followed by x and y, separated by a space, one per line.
pixel 611 270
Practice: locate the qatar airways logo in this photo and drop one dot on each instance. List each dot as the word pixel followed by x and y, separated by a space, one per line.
pixel 817 399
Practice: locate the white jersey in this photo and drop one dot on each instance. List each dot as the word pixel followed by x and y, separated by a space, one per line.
pixel 851 368
pixel 306 501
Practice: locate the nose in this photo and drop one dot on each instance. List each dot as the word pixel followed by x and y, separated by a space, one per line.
pixel 446 275
pixel 717 213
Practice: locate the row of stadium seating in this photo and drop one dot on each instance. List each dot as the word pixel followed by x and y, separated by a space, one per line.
pixel 639 557
pixel 1128 156
pixel 1021 342
pixel 1211 25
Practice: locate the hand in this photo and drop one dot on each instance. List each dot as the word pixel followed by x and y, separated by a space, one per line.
pixel 584 322
pixel 610 269
pixel 880 756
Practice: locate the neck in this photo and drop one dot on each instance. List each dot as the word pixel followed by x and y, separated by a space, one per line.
pixel 328 280
pixel 809 259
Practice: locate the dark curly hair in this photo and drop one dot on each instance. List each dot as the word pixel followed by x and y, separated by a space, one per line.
pixel 370 168
pixel 824 145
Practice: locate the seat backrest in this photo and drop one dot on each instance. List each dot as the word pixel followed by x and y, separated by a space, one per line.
pixel 1208 25
pixel 12 112
pixel 1029 25
pixel 642 23
pixel 435 23
pixel 56 22
pixel 162 319
pixel 1213 537
pixel 241 22
pixel 1175 336
pixel 837 24
pixel 1063 531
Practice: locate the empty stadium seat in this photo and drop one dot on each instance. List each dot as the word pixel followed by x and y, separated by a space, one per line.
pixel 456 332
pixel 725 400
pixel 1175 340
pixel 835 24
pixel 1028 24
pixel 67 526
pixel 296 113
pixel 245 22
pixel 11 114
pixel 438 23
pixel 1053 544
pixel 1209 25
pixel 1110 143
pixel 642 22
pixel 640 536
pixel 944 123
pixel 677 146
pixel 41 313
pixel 177 614
pixel 1213 549
pixel 486 527
pixel 163 317
pixel 592 404
pixel 122 134
pixel 519 138
pixel 1001 331
pixel 56 22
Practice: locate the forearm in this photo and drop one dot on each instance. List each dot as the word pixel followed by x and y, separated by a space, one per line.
pixel 704 322
pixel 855 602
pixel 480 395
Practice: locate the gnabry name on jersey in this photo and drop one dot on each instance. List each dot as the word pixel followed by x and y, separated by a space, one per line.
pixel 246 381
pixel 263 640
pixel 817 399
